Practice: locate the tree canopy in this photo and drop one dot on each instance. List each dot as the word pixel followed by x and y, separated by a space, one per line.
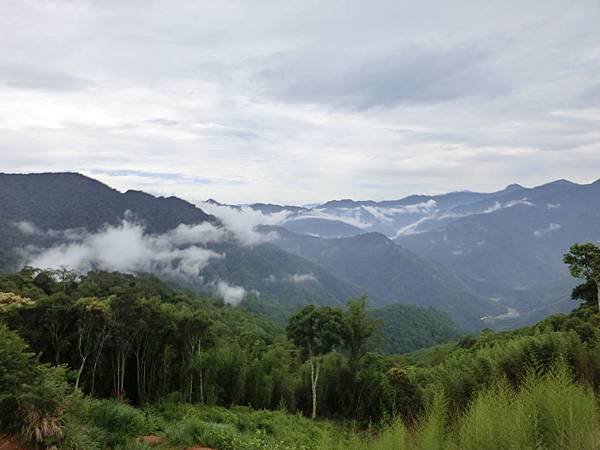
pixel 584 262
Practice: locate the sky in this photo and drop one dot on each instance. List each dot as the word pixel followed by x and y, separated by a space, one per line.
pixel 301 102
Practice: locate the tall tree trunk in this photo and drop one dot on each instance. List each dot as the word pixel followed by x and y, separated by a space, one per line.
pixel 94 368
pixel 138 375
pixel 122 384
pixel 80 371
pixel 83 360
pixel 120 375
pixel 104 337
pixel 201 380
pixel 314 378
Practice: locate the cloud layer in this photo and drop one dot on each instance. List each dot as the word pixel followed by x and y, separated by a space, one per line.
pixel 128 248
pixel 301 102
pixel 180 254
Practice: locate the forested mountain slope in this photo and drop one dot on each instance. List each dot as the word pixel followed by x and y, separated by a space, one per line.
pixel 63 211
pixel 393 274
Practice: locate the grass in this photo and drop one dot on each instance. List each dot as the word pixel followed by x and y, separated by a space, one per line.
pixel 547 412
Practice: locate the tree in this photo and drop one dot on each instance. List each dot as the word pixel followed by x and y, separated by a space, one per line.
pixel 194 327
pixel 584 262
pixel 93 329
pixel 357 328
pixel 316 332
pixel 124 328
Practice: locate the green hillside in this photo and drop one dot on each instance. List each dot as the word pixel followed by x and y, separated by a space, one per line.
pixel 392 274
pixel 184 358
pixel 406 328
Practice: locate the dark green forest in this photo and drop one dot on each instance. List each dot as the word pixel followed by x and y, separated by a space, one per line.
pixel 103 359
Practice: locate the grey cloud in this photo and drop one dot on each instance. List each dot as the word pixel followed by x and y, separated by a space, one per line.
pixel 407 75
pixel 32 77
pixel 303 103
pixel 160 175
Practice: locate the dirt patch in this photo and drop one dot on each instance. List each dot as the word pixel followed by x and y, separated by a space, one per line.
pixel 10 443
pixel 151 440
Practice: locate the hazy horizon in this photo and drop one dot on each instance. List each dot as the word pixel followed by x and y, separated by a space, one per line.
pixel 123 188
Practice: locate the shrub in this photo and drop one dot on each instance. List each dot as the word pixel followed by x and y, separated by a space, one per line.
pixel 32 395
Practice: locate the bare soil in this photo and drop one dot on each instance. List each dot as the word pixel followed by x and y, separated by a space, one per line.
pixel 10 443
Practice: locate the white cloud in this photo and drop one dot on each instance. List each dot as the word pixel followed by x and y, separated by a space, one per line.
pixel 27 228
pixel 412 228
pixel 349 216
pixel 418 208
pixel 378 213
pixel 549 229
pixel 511 203
pixel 232 295
pixel 301 277
pixel 510 313
pixel 243 221
pixel 128 248
pixel 386 214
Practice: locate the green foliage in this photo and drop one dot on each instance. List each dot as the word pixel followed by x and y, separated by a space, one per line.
pixel 549 412
pixel 584 262
pixel 32 395
pixel 170 361
pixel 357 328
pixel 316 331
pixel 406 328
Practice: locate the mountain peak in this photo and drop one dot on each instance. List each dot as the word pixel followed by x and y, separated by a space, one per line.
pixel 561 182
pixel 513 186
pixel 339 203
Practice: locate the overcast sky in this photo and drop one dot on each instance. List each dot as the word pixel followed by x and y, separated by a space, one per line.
pixel 302 101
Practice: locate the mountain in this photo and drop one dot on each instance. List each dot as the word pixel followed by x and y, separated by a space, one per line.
pixel 69 200
pixel 504 246
pixel 509 247
pixel 343 218
pixel 391 274
pixel 38 208
pixel 496 256
pixel 270 208
pixel 316 226
pixel 59 201
pixel 280 281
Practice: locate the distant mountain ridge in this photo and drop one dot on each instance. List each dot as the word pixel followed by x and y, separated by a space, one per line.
pixel 347 217
pixel 473 255
pixel 505 246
